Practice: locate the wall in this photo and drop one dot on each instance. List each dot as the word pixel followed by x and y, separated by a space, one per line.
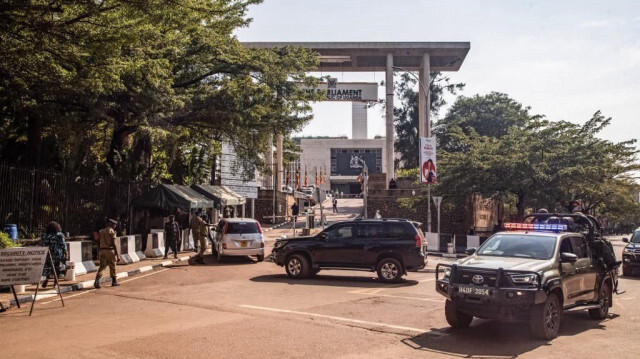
pixel 264 206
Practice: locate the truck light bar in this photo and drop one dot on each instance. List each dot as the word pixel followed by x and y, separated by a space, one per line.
pixel 535 226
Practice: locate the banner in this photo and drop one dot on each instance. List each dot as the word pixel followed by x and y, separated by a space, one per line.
pixel 345 91
pixel 22 265
pixel 428 173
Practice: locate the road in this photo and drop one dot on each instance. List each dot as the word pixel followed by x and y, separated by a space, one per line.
pixel 240 308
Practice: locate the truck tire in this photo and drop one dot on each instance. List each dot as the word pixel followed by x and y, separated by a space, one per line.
pixel 455 318
pixel 604 302
pixel 297 266
pixel 389 270
pixel 545 318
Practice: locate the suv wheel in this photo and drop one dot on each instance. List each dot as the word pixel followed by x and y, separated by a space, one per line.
pixel 603 300
pixel 455 318
pixel 297 266
pixel 545 318
pixel 260 258
pixel 389 270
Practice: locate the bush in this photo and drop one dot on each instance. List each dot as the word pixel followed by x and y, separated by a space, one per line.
pixel 6 242
pixel 411 174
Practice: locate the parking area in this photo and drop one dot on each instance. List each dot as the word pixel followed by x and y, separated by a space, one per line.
pixel 242 308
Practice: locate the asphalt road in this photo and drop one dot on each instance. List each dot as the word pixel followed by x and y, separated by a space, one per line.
pixel 241 308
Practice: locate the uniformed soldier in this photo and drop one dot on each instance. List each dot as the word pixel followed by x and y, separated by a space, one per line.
pixel 203 230
pixel 195 230
pixel 108 253
pixel 172 236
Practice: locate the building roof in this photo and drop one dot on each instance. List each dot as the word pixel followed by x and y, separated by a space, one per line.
pixel 372 56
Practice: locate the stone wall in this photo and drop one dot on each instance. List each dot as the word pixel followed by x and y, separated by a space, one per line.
pixel 264 206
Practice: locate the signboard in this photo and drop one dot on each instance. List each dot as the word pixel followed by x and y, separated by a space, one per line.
pixel 345 91
pixel 350 164
pixel 22 265
pixel 231 174
pixel 428 160
pixel 437 200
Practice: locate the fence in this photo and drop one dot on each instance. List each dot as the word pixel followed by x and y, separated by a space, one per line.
pixel 31 198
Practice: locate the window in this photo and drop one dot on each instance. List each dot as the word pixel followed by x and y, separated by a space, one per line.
pixel 341 232
pixel 373 230
pixel 565 246
pixel 242 227
pixel 579 247
pixel 395 230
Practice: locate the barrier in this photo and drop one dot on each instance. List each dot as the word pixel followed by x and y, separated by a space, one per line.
pixel 460 243
pixel 155 244
pixel 126 246
pixel 187 240
pixel 445 239
pixel 139 251
pixel 433 241
pixel 81 256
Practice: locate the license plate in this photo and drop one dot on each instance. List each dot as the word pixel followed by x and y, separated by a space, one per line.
pixel 473 290
pixel 243 244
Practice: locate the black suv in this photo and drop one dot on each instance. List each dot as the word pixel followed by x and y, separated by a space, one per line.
pixel 631 254
pixel 533 272
pixel 389 246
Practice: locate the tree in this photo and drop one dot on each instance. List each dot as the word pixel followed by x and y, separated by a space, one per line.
pixel 406 116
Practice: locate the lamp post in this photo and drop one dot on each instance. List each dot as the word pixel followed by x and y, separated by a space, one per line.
pixel 365 183
pixel 425 91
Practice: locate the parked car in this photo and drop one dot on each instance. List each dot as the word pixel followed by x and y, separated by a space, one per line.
pixel 390 247
pixel 239 237
pixel 531 272
pixel 631 254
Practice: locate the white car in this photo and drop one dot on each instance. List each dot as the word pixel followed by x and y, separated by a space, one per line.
pixel 239 237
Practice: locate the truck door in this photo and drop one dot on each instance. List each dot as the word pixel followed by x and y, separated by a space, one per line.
pixel 570 277
pixel 584 268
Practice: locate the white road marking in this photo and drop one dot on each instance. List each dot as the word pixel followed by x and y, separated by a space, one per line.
pixel 342 319
pixel 398 296
pixel 628 298
pixel 71 296
pixel 427 280
pixel 145 275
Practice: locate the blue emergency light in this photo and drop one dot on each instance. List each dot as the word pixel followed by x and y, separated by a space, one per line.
pixel 535 227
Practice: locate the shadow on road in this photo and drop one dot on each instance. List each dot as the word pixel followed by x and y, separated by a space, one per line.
pixel 333 281
pixel 212 260
pixel 488 338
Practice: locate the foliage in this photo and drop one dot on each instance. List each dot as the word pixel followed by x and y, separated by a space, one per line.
pixel 408 173
pixel 406 116
pixel 6 242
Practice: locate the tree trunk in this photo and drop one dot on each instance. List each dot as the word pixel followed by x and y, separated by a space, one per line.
pixel 520 206
pixel 213 170
pixel 120 134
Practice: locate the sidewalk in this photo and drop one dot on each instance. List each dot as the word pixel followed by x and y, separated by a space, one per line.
pixel 85 281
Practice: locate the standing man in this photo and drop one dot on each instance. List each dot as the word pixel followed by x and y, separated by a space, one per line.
pixel 195 230
pixel 172 236
pixel 295 210
pixel 203 229
pixel 108 253
pixel 335 205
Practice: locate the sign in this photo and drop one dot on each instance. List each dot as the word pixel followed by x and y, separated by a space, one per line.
pixel 437 200
pixel 22 265
pixel 345 91
pixel 231 174
pixel 428 160
pixel 350 163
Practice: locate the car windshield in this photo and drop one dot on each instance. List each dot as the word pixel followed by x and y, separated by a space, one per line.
pixel 242 227
pixel 519 245
pixel 636 237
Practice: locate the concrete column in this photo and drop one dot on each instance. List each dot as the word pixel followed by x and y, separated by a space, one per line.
pixel 269 161
pixel 358 120
pixel 253 208
pixel 280 167
pixel 389 118
pixel 424 113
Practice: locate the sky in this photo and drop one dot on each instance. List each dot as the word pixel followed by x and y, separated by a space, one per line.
pixel 564 59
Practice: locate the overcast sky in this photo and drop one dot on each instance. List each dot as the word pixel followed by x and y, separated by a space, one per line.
pixel 564 59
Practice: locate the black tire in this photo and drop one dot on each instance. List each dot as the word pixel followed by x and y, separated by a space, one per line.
pixel 546 317
pixel 260 258
pixel 604 301
pixel 297 266
pixel 455 318
pixel 389 270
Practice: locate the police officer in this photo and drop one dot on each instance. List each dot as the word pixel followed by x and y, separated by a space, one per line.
pixel 203 230
pixel 195 230
pixel 108 253
pixel 172 235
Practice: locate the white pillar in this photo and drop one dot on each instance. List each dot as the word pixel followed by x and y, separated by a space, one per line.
pixel 389 118
pixel 243 211
pixel 253 208
pixel 279 165
pixel 358 120
pixel 425 99
pixel 270 161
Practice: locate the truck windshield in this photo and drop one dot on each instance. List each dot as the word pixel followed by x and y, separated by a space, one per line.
pixel 636 237
pixel 519 245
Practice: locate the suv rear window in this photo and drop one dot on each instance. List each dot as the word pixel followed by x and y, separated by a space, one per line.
pixel 242 227
pixel 396 230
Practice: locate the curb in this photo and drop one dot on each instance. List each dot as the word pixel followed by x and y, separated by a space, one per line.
pixel 446 255
pixel 89 283
pixel 276 226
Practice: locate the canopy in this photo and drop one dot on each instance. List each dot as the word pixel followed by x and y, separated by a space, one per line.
pixel 172 196
pixel 220 194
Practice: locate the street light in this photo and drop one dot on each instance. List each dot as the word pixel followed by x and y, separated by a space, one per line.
pixel 425 91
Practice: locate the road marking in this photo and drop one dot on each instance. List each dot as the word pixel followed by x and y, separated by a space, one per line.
pixel 71 296
pixel 427 280
pixel 629 298
pixel 145 275
pixel 342 319
pixel 398 296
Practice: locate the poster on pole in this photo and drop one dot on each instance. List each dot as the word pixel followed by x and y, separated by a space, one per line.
pixel 428 160
pixel 22 265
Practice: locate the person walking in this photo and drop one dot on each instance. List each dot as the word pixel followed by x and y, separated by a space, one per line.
pixel 54 239
pixel 195 230
pixel 295 210
pixel 172 236
pixel 335 205
pixel 203 228
pixel 108 253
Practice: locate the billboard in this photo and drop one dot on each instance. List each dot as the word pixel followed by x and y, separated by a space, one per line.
pixel 345 91
pixel 231 174
pixel 428 173
pixel 350 163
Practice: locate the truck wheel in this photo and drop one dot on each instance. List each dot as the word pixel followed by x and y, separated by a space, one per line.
pixel 389 270
pixel 297 266
pixel 545 318
pixel 603 300
pixel 260 257
pixel 455 318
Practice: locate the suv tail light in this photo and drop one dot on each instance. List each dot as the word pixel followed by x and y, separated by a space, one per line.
pixel 259 227
pixel 262 245
pixel 226 227
pixel 418 241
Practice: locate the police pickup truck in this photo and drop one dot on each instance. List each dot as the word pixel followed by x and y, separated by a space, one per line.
pixel 533 272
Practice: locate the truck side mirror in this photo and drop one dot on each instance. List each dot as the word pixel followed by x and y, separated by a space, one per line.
pixel 568 257
pixel 470 251
pixel 322 236
pixel 625 240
